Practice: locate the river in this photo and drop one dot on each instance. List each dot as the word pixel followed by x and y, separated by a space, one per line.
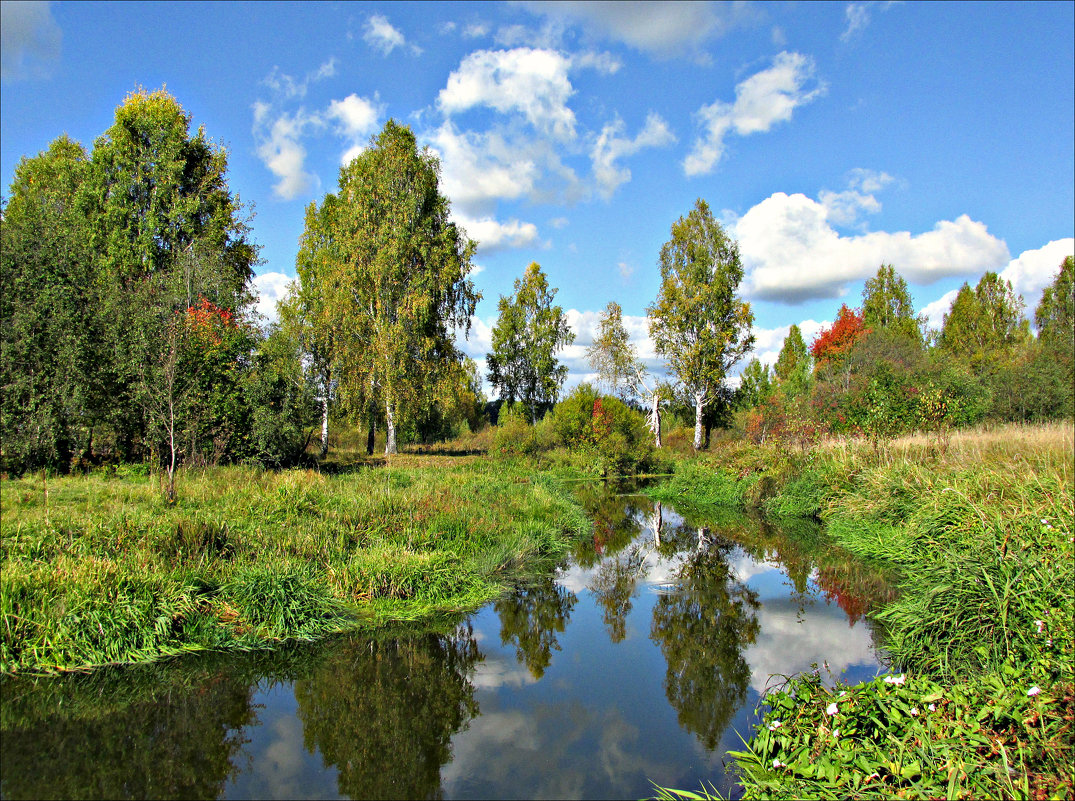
pixel 643 658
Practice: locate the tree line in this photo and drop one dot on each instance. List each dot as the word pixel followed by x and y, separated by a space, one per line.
pixel 128 328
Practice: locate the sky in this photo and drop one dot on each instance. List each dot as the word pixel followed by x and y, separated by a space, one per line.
pixel 828 138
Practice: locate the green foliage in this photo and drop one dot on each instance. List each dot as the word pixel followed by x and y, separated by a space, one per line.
pixel 603 427
pixel 698 321
pixel 985 323
pixel 612 356
pixel 389 274
pixel 756 386
pixel 528 333
pixel 793 370
pixel 887 305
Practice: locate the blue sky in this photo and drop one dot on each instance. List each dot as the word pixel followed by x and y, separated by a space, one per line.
pixel 828 137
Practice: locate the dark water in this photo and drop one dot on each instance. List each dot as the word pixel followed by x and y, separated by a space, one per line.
pixel 642 659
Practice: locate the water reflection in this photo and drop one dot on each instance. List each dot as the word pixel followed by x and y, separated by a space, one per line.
pixel 384 713
pixel 637 660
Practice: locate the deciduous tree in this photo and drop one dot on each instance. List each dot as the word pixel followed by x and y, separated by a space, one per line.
pixel 528 333
pixel 793 364
pixel 887 305
pixel 699 322
pixel 395 285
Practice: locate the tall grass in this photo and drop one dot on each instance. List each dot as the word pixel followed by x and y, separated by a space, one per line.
pixel 107 572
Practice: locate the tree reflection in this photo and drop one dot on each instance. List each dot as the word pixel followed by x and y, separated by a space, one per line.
pixel 614 584
pixel 702 624
pixel 531 617
pixel 384 712
pixel 132 733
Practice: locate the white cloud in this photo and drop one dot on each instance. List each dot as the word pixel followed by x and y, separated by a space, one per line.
pixel 559 222
pixel 475 30
pixel 857 19
pixel 356 119
pixel 769 341
pixel 793 254
pixel 492 235
pixel 286 87
pixel 30 40
pixel 845 207
pixel 661 29
pixel 478 169
pixel 611 145
pixel 761 101
pixel 1033 270
pixel 270 287
pixel 626 270
pixel 283 153
pixel 528 81
pixel 934 312
pixel 383 36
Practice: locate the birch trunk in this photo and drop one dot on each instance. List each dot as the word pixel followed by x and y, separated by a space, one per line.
pixel 324 422
pixel 699 399
pixel 390 431
pixel 655 418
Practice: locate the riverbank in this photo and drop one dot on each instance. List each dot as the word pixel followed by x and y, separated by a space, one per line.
pixel 982 699
pixel 98 569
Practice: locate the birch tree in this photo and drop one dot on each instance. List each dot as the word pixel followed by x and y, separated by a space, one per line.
pixel 699 322
pixel 395 281
pixel 528 333
pixel 616 362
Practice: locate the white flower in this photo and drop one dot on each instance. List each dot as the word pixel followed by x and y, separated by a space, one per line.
pixel 835 732
pixel 1040 624
pixel 843 693
pixel 832 709
pixel 896 679
pixel 774 725
pixel 914 710
pixel 778 764
pixel 932 707
pixel 1033 691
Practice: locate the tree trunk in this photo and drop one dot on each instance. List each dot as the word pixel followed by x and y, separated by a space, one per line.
pixel 390 431
pixel 370 436
pixel 324 425
pixel 655 417
pixel 657 521
pixel 698 406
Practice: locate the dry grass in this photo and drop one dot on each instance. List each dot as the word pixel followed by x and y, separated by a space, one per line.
pixel 1008 442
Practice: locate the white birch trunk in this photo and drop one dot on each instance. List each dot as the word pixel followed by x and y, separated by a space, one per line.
pixel 324 422
pixel 699 399
pixel 655 417
pixel 390 431
pixel 657 521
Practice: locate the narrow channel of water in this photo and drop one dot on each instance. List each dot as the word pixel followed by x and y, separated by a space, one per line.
pixel 644 658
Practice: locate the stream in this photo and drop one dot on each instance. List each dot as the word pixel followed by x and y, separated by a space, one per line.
pixel 643 658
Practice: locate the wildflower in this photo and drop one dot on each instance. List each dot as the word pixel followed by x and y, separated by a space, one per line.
pixel 1033 691
pixel 1040 624
pixel 835 732
pixel 774 725
pixel 778 764
pixel 843 693
pixel 932 707
pixel 832 709
pixel 914 711
pixel 896 679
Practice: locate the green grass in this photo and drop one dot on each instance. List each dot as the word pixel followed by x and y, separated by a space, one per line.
pixel 98 569
pixel 982 535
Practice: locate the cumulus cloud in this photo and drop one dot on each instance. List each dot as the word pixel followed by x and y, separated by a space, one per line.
pixel 528 81
pixel 478 169
pixel 356 120
pixel 844 208
pixel 30 40
pixel 1033 270
pixel 934 312
pixel 611 146
pixel 492 235
pixel 763 100
pixel 381 35
pixel 270 287
pixel 769 341
pixel 280 149
pixel 661 29
pixel 793 254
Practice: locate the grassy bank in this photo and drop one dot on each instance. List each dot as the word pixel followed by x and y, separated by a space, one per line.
pixel 981 635
pixel 97 569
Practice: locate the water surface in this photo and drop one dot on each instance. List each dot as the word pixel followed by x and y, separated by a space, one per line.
pixel 643 658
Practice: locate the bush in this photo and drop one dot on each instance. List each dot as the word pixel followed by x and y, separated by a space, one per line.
pixel 603 427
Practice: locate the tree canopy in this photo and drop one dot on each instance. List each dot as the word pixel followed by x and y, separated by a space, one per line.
pixel 529 331
pixel 698 321
pixel 887 305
